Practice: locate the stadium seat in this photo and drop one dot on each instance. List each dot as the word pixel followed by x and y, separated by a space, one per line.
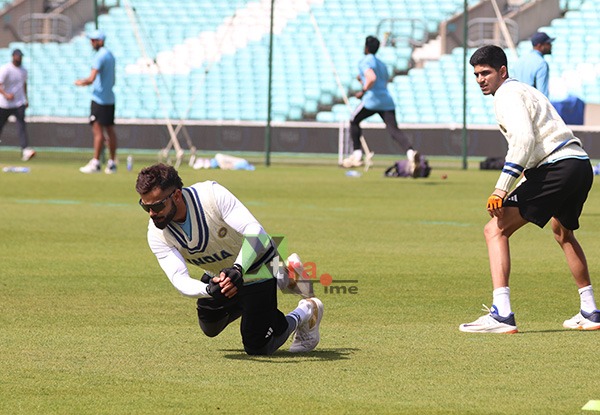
pixel 213 61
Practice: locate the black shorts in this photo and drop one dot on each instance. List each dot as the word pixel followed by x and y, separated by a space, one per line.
pixel 257 304
pixel 556 190
pixel 103 114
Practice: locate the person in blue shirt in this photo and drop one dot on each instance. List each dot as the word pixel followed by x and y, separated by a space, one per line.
pixel 102 115
pixel 376 99
pixel 532 68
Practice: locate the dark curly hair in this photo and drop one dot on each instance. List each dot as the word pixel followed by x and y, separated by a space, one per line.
pixel 158 175
pixel 491 55
pixel 372 44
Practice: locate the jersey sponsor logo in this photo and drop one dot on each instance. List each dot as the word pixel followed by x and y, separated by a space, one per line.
pixel 222 232
pixel 209 259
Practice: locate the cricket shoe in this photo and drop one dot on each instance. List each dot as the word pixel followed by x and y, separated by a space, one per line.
pixel 352 161
pixel 202 163
pixel 91 167
pixel 111 168
pixel 584 321
pixel 491 323
pixel 307 334
pixel 414 163
pixel 28 153
pixel 298 282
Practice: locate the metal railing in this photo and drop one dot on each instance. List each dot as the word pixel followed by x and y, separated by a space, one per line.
pixel 486 30
pixel 44 27
pixel 396 31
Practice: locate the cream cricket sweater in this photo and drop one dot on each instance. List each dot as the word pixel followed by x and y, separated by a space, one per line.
pixel 535 133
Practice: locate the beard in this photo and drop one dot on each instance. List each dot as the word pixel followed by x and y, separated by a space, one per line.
pixel 161 222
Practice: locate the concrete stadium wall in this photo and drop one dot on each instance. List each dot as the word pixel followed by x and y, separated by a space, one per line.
pixel 9 31
pixel 289 137
pixel 529 18
pixel 78 11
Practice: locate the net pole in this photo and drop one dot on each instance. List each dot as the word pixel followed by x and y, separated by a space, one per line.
pixel 269 90
pixel 173 141
pixel 465 39
pixel 211 63
pixel 363 141
pixel 329 59
pixel 504 29
pixel 341 139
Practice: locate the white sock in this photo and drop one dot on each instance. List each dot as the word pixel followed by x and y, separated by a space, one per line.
pixel 111 162
pixel 586 295
pixel 357 154
pixel 95 161
pixel 502 301
pixel 303 312
pixel 293 317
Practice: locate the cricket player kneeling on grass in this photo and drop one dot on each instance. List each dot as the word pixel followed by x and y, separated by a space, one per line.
pixel 207 226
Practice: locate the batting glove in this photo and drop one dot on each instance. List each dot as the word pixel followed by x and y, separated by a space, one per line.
pixel 214 289
pixel 494 202
pixel 235 275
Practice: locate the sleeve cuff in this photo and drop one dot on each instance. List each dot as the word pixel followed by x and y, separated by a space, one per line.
pixel 505 181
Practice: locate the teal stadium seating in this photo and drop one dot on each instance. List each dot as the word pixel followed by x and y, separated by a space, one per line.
pixel 208 60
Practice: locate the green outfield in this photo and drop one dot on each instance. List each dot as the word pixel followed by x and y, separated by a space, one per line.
pixel 89 324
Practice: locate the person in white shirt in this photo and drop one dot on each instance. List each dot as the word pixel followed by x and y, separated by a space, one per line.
pixel 207 226
pixel 13 99
pixel 557 176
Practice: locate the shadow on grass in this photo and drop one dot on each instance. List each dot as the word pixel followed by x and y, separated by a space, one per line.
pixel 553 331
pixel 284 356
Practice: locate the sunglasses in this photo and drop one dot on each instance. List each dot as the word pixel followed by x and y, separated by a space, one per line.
pixel 158 206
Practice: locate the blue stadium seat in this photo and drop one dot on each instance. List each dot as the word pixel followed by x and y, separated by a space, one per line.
pixel 235 87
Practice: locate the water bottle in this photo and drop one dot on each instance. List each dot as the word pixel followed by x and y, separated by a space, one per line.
pixel 13 169
pixel 129 163
pixel 353 173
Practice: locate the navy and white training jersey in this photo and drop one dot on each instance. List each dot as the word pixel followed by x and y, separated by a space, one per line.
pixel 218 232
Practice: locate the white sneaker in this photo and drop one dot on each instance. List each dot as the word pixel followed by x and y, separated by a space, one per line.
pixel 584 321
pixel 198 164
pixel 307 335
pixel 414 162
pixel 201 163
pixel 92 167
pixel 352 161
pixel 111 168
pixel 491 323
pixel 297 281
pixel 28 153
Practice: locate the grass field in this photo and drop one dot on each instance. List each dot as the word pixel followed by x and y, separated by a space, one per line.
pixel 89 324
